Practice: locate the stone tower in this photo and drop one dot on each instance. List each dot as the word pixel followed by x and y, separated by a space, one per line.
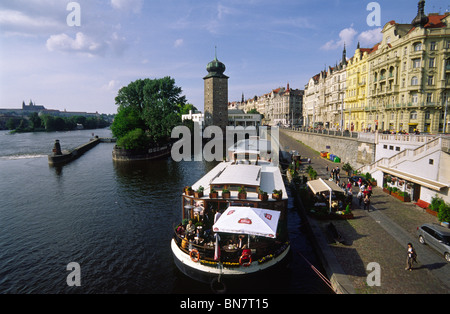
pixel 216 95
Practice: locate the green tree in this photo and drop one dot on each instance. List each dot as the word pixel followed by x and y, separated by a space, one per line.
pixel 135 139
pixel 10 124
pixel 444 212
pixel 184 109
pixel 155 102
pixel 126 120
pixel 35 120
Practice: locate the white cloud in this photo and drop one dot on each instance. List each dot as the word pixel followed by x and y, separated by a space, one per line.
pixel 134 6
pixel 346 36
pixel 81 44
pixel 178 43
pixel 370 37
pixel 20 23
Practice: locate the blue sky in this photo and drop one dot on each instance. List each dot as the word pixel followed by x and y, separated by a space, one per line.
pixel 264 45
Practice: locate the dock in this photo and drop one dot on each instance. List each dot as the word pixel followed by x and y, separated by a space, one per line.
pixel 60 157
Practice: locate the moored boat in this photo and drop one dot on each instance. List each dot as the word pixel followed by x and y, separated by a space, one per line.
pixel 234 218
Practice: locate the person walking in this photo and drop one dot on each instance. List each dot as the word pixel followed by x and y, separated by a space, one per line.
pixel 411 257
pixel 360 198
pixel 367 203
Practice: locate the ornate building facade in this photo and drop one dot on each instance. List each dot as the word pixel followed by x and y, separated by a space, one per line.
pixel 409 75
pixel 400 84
pixel 280 106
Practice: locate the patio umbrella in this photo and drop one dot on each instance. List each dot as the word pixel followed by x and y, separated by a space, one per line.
pixel 248 220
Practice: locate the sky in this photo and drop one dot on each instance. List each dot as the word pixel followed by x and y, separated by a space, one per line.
pixel 76 55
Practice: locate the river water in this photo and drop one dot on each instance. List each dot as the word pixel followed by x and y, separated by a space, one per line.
pixel 114 220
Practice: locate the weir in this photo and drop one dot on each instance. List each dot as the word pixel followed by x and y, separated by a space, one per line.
pixel 60 157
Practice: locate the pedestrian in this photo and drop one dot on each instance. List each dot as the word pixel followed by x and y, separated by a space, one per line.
pixel 411 257
pixel 360 198
pixel 327 169
pixel 309 160
pixel 367 203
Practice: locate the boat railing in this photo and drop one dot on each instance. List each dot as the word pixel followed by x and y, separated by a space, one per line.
pixel 260 250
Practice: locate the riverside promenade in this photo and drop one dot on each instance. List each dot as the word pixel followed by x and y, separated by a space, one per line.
pixel 380 235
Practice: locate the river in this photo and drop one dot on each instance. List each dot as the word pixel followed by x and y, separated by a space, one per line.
pixel 114 220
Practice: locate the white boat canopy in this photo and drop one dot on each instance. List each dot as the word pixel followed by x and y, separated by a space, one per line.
pixel 248 220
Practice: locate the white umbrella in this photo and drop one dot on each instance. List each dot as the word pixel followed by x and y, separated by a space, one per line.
pixel 248 220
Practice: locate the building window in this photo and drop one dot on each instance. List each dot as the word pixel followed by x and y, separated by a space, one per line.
pixel 391 147
pixel 433 46
pixel 413 115
pixel 429 98
pixel 431 161
pixel 430 80
pixel 416 63
pixel 418 47
pixel 397 148
pixel 414 81
pixel 414 98
pixel 385 146
pixel 427 114
pixel 432 63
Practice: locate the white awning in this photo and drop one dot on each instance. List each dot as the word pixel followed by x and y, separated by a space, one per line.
pixel 248 220
pixel 247 175
pixel 434 185
pixel 320 185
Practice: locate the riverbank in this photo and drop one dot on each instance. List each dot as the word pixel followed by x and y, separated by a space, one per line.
pixel 378 236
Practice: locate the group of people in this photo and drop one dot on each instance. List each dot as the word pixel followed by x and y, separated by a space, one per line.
pixel 364 194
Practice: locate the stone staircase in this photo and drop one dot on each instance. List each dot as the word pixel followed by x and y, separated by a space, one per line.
pixel 412 155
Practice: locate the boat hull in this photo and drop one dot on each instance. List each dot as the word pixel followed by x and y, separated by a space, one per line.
pixel 207 274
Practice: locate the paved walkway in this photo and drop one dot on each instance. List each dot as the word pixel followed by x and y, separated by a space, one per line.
pixel 380 235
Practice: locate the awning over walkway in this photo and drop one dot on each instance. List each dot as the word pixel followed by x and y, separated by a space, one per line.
pixel 320 185
pixel 434 185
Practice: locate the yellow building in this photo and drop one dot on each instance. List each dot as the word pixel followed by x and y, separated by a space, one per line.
pixel 356 93
pixel 409 75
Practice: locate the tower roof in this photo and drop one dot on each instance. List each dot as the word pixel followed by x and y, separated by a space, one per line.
pixel 215 68
pixel 421 19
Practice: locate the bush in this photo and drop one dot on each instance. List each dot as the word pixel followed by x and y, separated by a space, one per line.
pixel 444 212
pixel 436 202
pixel 135 139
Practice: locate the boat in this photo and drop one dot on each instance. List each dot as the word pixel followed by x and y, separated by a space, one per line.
pixel 250 236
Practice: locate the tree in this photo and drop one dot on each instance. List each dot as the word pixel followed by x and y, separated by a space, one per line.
pixel 126 120
pixel 184 109
pixel 135 139
pixel 36 121
pixel 155 104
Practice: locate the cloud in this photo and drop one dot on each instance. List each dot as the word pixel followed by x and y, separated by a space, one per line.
pixel 80 44
pixel 87 45
pixel 134 6
pixel 178 43
pixel 370 37
pixel 346 36
pixel 13 21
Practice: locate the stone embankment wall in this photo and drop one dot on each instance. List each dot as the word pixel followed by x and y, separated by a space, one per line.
pixel 73 154
pixel 356 152
pixel 136 155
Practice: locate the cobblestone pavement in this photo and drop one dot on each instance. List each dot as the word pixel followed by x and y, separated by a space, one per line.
pixel 381 236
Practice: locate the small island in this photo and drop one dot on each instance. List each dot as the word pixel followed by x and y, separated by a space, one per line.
pixel 148 111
